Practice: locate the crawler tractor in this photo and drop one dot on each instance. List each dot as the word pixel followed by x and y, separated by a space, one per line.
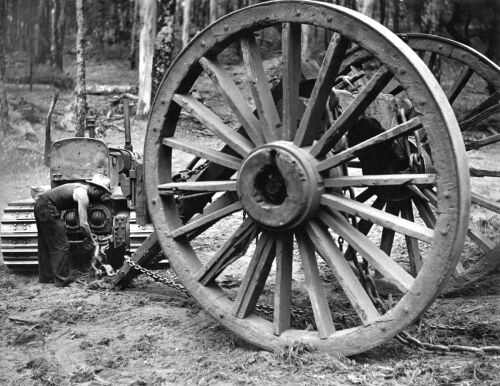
pixel 120 226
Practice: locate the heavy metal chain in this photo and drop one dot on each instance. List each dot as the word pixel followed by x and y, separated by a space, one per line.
pixel 404 337
pixel 298 315
pixel 301 317
pixel 186 174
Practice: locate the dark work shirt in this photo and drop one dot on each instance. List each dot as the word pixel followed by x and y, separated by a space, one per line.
pixel 62 196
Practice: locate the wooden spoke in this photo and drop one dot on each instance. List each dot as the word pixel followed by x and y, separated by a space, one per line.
pixel 218 157
pixel 353 289
pixel 212 122
pixel 482 142
pixel 491 101
pixel 387 239
pixel 259 85
pixel 425 212
pixel 468 123
pixel 430 58
pixel 291 41
pixel 350 115
pixel 474 172
pixel 414 255
pixel 386 220
pixel 255 277
pixel 203 220
pixel 364 226
pixel 479 239
pixel 380 180
pixel 220 202
pixel 459 84
pixel 283 288
pixel 317 294
pixel 234 98
pixel 485 202
pixel 431 195
pixel 365 195
pixel 308 128
pixel 229 252
pixel 350 153
pixel 197 186
pixel 365 247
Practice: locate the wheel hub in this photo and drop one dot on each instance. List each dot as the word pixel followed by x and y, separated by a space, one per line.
pixel 279 186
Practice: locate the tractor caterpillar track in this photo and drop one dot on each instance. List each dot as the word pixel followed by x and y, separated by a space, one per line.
pixel 18 235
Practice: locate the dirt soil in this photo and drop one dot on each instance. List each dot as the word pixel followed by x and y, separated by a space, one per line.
pixel 149 334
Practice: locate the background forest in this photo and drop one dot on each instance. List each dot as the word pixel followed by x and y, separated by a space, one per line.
pixel 39 38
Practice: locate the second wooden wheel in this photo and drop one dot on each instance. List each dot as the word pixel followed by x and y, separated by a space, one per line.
pixel 275 209
pixel 471 83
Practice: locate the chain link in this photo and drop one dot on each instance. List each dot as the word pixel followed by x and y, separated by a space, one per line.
pixel 186 174
pixel 302 317
pixel 299 316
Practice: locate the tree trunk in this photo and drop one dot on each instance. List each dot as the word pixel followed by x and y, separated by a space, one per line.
pixel 382 11
pixel 55 10
pixel 307 36
pixel 186 22
pixel 61 34
pixel 396 16
pixel 42 35
pixel 134 35
pixel 146 50
pixel 493 50
pixel 164 45
pixel 4 107
pixel 81 97
pixel 368 7
pixel 430 16
pixel 213 10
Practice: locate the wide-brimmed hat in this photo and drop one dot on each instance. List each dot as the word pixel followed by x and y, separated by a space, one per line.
pixel 101 181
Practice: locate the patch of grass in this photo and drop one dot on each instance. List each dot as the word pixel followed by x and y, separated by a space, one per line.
pixel 82 375
pixel 45 372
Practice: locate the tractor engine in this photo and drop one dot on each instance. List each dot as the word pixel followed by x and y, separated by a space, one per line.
pixel 78 159
pixel 120 224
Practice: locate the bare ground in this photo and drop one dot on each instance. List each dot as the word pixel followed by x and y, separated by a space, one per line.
pixel 150 334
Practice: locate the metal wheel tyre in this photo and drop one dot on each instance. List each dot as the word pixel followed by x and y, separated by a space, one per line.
pixel 278 213
pixel 477 85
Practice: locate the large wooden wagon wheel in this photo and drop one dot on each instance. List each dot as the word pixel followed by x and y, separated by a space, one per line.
pixel 471 83
pixel 279 215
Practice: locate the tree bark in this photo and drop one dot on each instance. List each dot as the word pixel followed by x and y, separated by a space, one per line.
pixel 134 35
pixel 186 22
pixel 55 10
pixel 81 97
pixel 48 137
pixel 213 10
pixel 368 7
pixel 430 16
pixel 306 44
pixel 164 45
pixel 4 107
pixel 42 48
pixel 61 34
pixel 493 50
pixel 146 50
pixel 396 16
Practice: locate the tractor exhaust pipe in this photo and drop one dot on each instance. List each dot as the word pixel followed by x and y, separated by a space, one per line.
pixel 126 118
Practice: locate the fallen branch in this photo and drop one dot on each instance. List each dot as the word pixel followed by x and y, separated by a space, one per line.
pixel 110 90
pixel 48 139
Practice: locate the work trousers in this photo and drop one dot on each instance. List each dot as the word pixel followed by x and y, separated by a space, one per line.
pixel 53 245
